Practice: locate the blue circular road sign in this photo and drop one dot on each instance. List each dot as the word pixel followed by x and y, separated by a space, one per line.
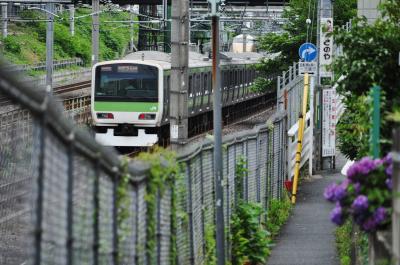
pixel 308 52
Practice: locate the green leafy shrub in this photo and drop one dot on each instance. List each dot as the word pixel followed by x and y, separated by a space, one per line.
pixel 164 173
pixel 370 58
pixel 344 242
pixel 250 240
pixel 278 213
pixel 11 44
pixel 262 84
pixel 353 137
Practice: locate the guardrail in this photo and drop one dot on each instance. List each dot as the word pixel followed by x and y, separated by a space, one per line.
pixel 292 145
pixel 57 64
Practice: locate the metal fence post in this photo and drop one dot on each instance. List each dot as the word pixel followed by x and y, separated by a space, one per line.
pixel 190 212
pixel 70 213
pixel 137 248
pixel 375 121
pixel 202 200
pixel 96 206
pixel 115 182
pixel 40 184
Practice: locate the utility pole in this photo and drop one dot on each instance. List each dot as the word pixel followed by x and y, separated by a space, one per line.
pixel 95 31
pixel 4 16
pixel 217 112
pixel 131 45
pixel 179 74
pixel 71 9
pixel 165 26
pixel 49 47
pixel 325 45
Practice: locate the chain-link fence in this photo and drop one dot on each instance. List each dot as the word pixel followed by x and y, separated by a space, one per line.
pixel 264 150
pixel 290 93
pixel 60 193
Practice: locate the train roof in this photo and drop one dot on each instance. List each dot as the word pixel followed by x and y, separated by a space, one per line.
pixel 196 59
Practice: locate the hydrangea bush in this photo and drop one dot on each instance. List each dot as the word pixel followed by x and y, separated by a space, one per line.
pixel 365 195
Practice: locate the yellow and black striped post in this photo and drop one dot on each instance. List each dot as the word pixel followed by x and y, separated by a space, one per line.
pixel 300 137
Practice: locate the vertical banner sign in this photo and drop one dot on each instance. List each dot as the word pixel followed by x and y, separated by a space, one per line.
pixel 328 122
pixel 325 46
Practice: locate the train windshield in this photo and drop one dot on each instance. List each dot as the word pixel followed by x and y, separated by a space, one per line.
pixel 126 82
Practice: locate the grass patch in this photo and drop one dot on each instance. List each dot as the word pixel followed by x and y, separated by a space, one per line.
pixel 278 213
pixel 343 242
pixel 345 236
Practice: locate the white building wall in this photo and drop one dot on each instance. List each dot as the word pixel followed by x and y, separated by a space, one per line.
pixel 369 9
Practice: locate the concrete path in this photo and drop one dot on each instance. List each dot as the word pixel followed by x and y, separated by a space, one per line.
pixel 308 237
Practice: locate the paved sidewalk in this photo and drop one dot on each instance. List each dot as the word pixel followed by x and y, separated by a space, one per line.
pixel 308 237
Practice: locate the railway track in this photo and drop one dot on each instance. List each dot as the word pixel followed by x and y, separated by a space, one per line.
pixel 4 101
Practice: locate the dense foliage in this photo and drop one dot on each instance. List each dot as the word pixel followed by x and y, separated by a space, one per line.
pixel 295 32
pixel 278 213
pixel 26 43
pixel 371 54
pixel 164 174
pixel 250 240
pixel 365 195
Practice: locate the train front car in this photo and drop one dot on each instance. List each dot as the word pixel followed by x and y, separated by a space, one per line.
pixel 125 102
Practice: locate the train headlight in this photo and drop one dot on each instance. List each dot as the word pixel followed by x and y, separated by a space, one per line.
pixel 105 116
pixel 147 116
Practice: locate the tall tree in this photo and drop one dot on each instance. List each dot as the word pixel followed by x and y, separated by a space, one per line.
pixel 296 32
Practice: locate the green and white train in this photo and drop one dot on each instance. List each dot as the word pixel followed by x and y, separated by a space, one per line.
pixel 130 97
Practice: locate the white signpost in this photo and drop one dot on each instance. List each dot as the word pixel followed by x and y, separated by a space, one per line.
pixel 329 117
pixel 325 46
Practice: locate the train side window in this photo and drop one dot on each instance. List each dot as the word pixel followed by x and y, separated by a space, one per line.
pixel 198 89
pixel 190 86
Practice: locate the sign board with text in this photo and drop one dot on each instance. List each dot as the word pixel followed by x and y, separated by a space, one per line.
pixel 307 67
pixel 329 118
pixel 326 46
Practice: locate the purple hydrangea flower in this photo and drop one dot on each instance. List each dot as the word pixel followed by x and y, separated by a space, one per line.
pixel 337 215
pixel 369 224
pixel 360 203
pixel 362 167
pixel 389 170
pixel 389 183
pixel 379 215
pixel 357 187
pixel 387 160
pixel 340 190
pixel 329 192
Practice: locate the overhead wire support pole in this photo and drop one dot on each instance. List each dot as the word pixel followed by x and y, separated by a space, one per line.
pixel 217 122
pixel 49 47
pixel 179 74
pixel 95 30
pixel 4 16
